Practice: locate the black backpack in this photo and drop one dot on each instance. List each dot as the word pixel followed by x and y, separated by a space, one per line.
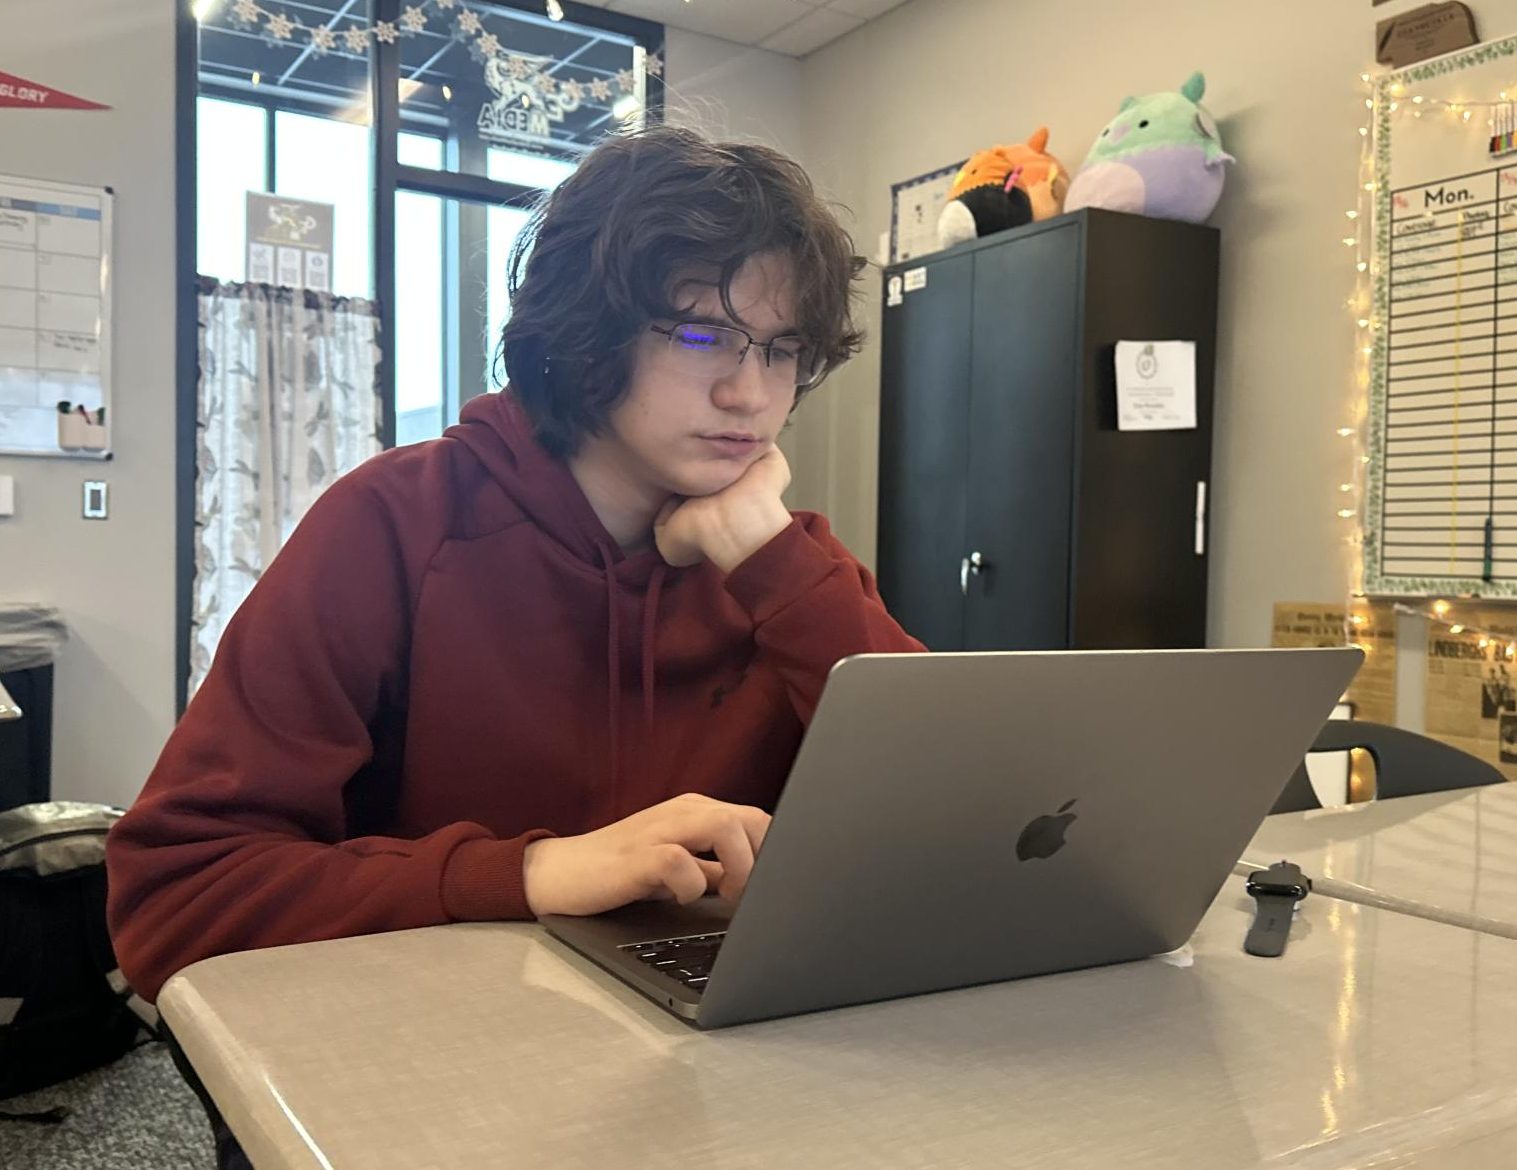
pixel 64 1006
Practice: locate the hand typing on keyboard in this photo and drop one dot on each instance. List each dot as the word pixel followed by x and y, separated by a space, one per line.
pixel 650 855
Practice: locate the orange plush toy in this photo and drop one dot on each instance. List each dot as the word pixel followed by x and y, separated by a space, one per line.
pixel 1003 187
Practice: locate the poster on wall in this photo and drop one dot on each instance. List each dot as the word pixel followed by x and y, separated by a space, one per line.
pixel 55 319
pixel 289 242
pixel 914 209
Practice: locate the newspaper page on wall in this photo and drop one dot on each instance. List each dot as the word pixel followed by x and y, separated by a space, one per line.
pixel 1369 624
pixel 1472 683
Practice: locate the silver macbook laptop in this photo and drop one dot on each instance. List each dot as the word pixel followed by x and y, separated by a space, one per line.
pixel 954 819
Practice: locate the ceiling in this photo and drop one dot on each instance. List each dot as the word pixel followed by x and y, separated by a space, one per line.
pixel 793 27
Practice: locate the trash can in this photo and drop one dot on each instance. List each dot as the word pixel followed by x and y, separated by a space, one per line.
pixel 30 636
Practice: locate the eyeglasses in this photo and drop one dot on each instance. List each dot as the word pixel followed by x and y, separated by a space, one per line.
pixel 716 351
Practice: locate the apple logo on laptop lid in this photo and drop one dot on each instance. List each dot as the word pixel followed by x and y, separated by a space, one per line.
pixel 1044 835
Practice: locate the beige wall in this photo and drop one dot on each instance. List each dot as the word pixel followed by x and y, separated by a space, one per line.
pixel 733 91
pixel 113 580
pixel 934 80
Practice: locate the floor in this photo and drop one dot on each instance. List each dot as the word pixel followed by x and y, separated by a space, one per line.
pixel 135 1114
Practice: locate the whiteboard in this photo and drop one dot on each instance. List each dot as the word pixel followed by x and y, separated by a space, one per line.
pixel 55 319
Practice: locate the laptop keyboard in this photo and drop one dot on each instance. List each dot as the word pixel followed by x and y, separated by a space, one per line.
pixel 687 960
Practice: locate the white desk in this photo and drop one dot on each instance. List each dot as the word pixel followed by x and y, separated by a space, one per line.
pixel 1379 1039
pixel 1450 856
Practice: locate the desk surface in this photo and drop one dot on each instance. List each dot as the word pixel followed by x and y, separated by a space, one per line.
pixel 1379 1038
pixel 1450 854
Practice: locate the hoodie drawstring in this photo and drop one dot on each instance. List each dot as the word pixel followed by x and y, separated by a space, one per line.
pixel 613 656
pixel 497 430
pixel 650 661
pixel 613 645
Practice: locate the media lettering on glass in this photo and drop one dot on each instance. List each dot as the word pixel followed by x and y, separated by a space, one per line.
pixel 521 110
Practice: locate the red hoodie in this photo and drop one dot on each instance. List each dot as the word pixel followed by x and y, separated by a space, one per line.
pixel 452 658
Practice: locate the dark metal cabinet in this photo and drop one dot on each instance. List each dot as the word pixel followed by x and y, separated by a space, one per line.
pixel 924 443
pixel 1012 512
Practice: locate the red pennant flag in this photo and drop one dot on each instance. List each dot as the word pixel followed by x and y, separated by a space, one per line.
pixel 17 92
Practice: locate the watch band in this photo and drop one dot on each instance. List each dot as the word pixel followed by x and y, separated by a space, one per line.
pixel 1275 892
pixel 1272 925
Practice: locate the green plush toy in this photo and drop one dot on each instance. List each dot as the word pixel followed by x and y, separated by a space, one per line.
pixel 1161 155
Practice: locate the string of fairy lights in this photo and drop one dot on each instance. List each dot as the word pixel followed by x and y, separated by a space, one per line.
pixel 1441 613
pixel 1359 238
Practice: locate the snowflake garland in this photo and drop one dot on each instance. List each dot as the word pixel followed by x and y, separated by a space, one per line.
pixel 278 26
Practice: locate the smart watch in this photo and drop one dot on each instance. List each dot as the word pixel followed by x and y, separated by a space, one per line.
pixel 1276 891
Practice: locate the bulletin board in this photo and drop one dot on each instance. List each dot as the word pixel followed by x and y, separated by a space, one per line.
pixel 55 319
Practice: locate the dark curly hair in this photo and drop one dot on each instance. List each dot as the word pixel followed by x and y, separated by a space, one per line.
pixel 601 257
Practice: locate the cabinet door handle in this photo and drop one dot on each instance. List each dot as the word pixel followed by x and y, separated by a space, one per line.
pixel 973 563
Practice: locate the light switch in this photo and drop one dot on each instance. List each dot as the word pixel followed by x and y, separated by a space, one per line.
pixel 7 495
pixel 95 499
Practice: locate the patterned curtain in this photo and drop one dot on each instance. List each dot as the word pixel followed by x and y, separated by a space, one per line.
pixel 288 403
